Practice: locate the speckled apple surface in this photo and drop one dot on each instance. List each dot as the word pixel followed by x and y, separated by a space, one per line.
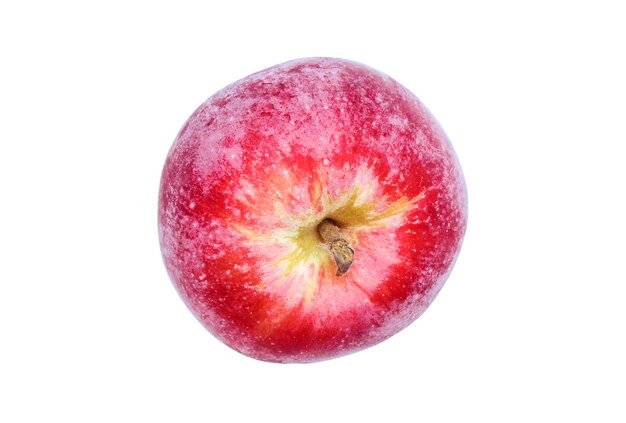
pixel 262 162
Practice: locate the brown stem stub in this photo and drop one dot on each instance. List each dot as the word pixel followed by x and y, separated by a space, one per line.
pixel 340 248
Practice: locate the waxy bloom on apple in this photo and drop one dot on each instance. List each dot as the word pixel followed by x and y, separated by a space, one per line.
pixel 310 210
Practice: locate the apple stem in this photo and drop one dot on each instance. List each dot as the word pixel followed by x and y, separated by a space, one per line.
pixel 340 248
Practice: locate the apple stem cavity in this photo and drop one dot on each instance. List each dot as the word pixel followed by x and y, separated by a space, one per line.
pixel 340 248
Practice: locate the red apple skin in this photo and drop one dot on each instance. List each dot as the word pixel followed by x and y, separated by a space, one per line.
pixel 262 162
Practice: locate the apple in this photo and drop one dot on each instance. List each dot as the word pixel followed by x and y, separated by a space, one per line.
pixel 310 210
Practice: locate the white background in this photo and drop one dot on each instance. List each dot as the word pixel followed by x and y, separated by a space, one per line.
pixel 529 327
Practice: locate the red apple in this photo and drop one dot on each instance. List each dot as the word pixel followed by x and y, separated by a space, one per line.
pixel 310 210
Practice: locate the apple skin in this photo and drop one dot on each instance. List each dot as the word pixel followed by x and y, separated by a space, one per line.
pixel 262 162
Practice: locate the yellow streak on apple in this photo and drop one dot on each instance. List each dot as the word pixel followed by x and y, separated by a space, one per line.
pixel 308 261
